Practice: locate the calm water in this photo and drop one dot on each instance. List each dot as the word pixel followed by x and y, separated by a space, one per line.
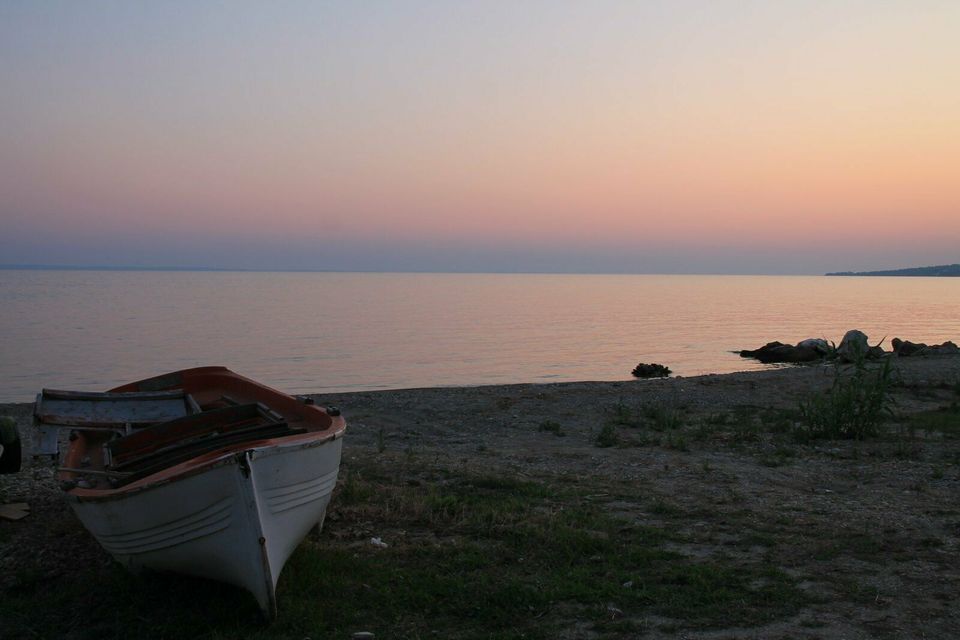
pixel 310 332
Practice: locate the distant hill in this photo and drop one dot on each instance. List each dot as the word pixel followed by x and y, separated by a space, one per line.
pixel 946 270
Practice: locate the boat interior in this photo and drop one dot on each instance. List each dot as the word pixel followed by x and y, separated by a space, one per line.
pixel 118 437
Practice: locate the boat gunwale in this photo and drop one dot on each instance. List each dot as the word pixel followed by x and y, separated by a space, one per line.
pixel 212 459
pixel 202 464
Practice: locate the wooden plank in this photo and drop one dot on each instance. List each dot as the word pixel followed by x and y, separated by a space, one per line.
pixel 108 409
pixel 60 394
pixel 161 460
pixel 93 472
pixel 15 511
pixel 192 405
pixel 185 427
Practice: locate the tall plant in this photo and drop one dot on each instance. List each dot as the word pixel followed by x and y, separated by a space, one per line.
pixel 855 405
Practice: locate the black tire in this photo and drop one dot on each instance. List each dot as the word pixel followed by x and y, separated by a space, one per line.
pixel 12 449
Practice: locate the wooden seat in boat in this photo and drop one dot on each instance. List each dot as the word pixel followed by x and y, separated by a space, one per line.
pixel 164 445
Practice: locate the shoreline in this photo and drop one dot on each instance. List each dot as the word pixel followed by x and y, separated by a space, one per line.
pixel 769 369
pixel 864 534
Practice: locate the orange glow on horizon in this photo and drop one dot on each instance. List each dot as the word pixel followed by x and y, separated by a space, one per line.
pixel 665 127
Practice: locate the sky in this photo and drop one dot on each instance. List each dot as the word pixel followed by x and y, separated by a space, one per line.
pixel 689 136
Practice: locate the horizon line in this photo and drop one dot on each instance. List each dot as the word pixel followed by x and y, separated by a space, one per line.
pixel 75 267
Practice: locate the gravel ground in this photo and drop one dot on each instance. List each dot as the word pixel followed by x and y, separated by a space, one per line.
pixel 871 529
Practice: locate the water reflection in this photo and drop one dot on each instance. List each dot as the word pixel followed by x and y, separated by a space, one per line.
pixel 307 332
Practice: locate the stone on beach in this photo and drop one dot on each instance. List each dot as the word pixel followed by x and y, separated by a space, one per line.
pixel 853 346
pixel 644 370
pixel 905 348
pixel 774 352
pixel 817 344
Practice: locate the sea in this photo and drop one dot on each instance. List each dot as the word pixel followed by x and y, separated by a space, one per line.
pixel 336 332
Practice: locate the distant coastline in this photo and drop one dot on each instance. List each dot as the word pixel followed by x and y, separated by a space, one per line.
pixel 947 270
pixel 943 270
pixel 73 267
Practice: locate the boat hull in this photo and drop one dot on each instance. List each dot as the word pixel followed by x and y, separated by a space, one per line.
pixel 236 520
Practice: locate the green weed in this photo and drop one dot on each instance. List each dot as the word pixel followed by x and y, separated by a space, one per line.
pixel 676 441
pixel 662 416
pixel 553 427
pixel 853 408
pixel 945 421
pixel 607 437
pixel 471 557
pixel 622 415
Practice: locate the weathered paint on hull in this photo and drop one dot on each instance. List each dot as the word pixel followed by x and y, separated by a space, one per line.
pixel 237 521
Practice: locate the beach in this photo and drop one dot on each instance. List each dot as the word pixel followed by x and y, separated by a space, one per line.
pixel 840 538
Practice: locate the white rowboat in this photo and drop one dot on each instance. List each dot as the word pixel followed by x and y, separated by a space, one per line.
pixel 201 472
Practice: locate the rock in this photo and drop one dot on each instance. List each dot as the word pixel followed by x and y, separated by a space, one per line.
pixel 798 354
pixel 758 353
pixel 644 370
pixel 948 348
pixel 906 349
pixel 819 345
pixel 853 346
pixel 876 352
pixel 777 352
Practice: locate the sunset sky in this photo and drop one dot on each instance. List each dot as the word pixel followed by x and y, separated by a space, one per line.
pixel 648 137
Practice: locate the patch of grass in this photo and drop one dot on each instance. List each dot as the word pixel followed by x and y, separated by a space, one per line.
pixel 758 539
pixel 676 441
pixel 710 426
pixel 353 489
pixel 853 408
pixel 662 416
pixel 553 427
pixel 779 420
pixel 812 623
pixel 637 439
pixel 607 437
pixel 863 545
pixel 718 419
pixel 469 556
pixel 945 421
pixel 662 508
pixel 622 415
pixel 745 426
pixel 930 543
pixel 780 456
